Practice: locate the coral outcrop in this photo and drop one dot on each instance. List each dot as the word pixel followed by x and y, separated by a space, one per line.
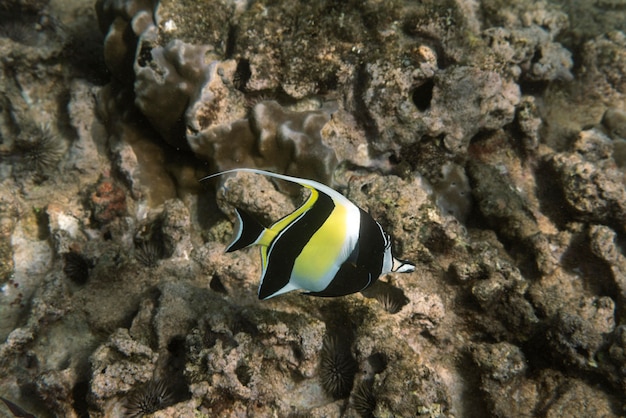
pixel 488 138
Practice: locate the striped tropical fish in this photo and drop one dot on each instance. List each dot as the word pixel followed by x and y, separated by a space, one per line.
pixel 327 247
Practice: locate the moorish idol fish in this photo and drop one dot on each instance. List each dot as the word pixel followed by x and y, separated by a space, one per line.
pixel 327 247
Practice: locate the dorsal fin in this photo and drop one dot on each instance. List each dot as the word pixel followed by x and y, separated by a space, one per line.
pixel 310 184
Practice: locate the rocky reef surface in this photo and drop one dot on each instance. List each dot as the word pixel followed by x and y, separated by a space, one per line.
pixel 488 138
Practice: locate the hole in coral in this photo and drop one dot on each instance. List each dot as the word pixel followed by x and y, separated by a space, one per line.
pixel 242 74
pixel 43 231
pixel 532 87
pixel 391 298
pixel 231 41
pixel 176 345
pixel 79 395
pixel 244 374
pixel 148 253
pixel 145 55
pixel 245 325
pixel 297 352
pixel 77 267
pixel 423 95
pixel 217 286
pixel 537 56
pixel 377 362
pixel 437 240
pixel 329 83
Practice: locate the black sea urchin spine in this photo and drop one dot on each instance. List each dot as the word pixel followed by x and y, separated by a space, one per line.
pixel 41 149
pixel 76 267
pixel 149 253
pixel 391 299
pixel 337 368
pixel 151 397
pixel 388 302
pixel 363 399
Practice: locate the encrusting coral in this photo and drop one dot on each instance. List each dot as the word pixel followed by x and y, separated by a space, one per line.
pixel 495 164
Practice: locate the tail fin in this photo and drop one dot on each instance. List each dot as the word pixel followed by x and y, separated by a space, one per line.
pixel 249 231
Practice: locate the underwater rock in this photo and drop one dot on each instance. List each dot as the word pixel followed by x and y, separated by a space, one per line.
pixel 247 357
pixel 192 94
pixel 593 194
pixel 137 158
pixel 123 22
pixel 614 121
pixel 402 382
pixel 455 124
pixel 25 5
pixel 188 64
pixel 396 207
pixel 502 295
pixel 575 395
pixel 8 216
pixel 529 121
pixel 603 60
pixel 509 213
pixel 460 88
pixel 500 361
pixel 502 368
pixel 451 112
pixel 175 224
pixel 617 354
pixel 178 308
pixel 452 192
pixel 286 141
pixel 497 200
pixel 192 102
pixel 90 144
pixel 119 365
pixel 56 389
pixel 531 53
pixel 575 338
pixel 546 392
pixel 108 201
pixel 604 245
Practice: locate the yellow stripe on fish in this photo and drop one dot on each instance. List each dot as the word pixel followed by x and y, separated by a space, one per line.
pixel 327 247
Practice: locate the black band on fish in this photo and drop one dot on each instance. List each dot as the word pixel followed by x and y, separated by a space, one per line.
pixel 287 246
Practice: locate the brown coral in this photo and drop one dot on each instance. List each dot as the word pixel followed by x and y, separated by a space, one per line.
pixel 108 201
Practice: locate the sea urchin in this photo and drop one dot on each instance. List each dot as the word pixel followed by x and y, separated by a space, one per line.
pixel 363 399
pixel 76 267
pixel 337 367
pixel 149 253
pixel 391 299
pixel 41 149
pixel 150 397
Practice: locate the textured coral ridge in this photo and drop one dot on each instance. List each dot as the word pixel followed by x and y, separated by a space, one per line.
pixel 488 139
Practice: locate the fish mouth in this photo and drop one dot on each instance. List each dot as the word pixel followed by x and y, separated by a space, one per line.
pixel 401 266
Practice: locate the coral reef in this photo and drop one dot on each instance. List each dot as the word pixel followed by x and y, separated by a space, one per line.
pixel 488 138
